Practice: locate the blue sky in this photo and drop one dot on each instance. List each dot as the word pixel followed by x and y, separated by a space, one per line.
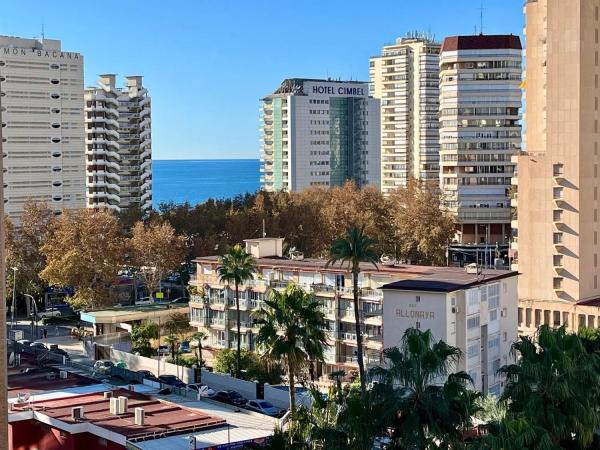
pixel 207 63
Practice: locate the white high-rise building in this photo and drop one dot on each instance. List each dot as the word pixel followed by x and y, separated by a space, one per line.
pixel 118 145
pixel 319 133
pixel 406 80
pixel 480 130
pixel 42 124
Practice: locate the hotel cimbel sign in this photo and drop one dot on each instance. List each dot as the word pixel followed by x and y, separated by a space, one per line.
pixel 13 51
pixel 338 90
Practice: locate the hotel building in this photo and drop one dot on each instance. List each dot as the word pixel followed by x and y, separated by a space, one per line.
pixel 474 311
pixel 42 125
pixel 406 80
pixel 319 133
pixel 118 145
pixel 556 246
pixel 480 130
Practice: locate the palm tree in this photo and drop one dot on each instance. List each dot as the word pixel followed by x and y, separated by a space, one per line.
pixel 354 248
pixel 554 388
pixel 237 266
pixel 291 330
pixel 199 336
pixel 432 404
pixel 172 341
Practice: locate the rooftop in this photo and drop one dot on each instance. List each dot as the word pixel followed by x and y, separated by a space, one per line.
pixel 161 418
pixel 448 281
pixel 33 381
pixel 428 274
pixel 482 42
pixel 129 313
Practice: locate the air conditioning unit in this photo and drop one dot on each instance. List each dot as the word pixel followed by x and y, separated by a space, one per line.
pixel 139 416
pixel 63 374
pixel 473 269
pixel 454 310
pixel 122 405
pixel 114 405
pixel 77 413
pixel 107 394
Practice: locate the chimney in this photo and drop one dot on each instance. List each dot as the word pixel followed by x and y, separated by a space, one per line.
pixel 77 413
pixel 122 405
pixel 139 416
pixel 114 405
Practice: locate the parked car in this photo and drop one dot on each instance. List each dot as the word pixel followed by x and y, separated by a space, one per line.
pixel 180 301
pixel 184 347
pixel 201 389
pixel 50 312
pixel 103 366
pixel 147 375
pixel 24 342
pixel 163 350
pixel 39 345
pixel 171 380
pixel 144 301
pixel 263 407
pixel 61 352
pixel 231 398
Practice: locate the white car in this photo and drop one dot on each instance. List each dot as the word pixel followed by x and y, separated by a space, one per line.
pixel 201 389
pixel 50 312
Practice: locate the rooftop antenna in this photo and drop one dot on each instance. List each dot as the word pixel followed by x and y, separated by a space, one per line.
pixel 481 9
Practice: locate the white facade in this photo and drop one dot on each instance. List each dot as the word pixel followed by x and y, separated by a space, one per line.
pixel 319 133
pixel 406 80
pixel 42 124
pixel 480 320
pixel 480 130
pixel 118 145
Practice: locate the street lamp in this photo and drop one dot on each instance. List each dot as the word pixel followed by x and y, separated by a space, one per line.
pixel 34 315
pixel 12 314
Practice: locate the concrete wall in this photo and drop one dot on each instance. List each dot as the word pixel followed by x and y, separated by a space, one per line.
pixel 134 362
pixel 223 381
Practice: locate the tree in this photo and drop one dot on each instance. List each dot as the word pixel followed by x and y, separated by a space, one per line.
pixel 198 337
pixel 155 251
pixel 354 248
pixel 432 404
pixel 84 251
pixel 172 341
pixel 178 324
pixel 142 334
pixel 23 247
pixel 291 330
pixel 237 266
pixel 552 392
pixel 421 229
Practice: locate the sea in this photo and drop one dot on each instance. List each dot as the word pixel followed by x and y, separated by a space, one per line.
pixel 196 180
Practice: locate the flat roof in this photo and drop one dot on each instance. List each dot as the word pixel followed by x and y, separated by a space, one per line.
pixel 449 281
pixel 35 381
pixel 403 271
pixel 482 42
pixel 161 417
pixel 130 313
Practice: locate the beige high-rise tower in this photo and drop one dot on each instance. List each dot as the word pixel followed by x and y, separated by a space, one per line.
pixel 405 79
pixel 556 242
pixel 3 374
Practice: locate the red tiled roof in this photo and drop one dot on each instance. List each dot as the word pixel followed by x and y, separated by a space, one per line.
pixel 482 42
pixel 35 381
pixel 160 417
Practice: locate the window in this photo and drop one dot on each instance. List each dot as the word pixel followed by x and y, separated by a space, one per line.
pixel 418 325
pixel 473 322
pixel 557 238
pixel 55 96
pixel 418 299
pixel 557 170
pixel 55 81
pixel 493 315
pixel 557 215
pixel 494 343
pixel 557 260
pixel 473 350
pixel 557 193
pixel 557 283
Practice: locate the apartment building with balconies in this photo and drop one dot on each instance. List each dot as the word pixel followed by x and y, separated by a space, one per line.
pixel 319 133
pixel 480 131
pixel 42 125
pixel 556 243
pixel 119 145
pixel 405 77
pixel 381 289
